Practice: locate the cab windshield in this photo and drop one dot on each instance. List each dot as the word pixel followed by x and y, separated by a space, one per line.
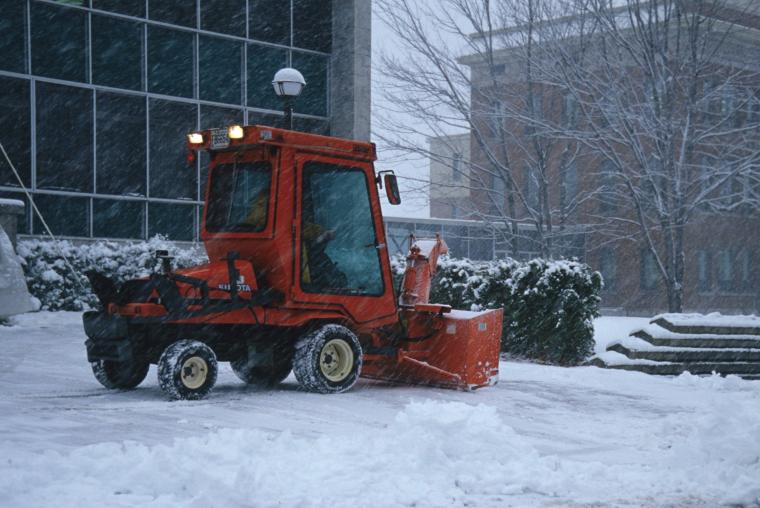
pixel 239 197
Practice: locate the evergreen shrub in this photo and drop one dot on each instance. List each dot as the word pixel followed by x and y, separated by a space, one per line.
pixel 549 305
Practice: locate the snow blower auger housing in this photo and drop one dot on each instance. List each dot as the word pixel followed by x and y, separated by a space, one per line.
pixel 299 279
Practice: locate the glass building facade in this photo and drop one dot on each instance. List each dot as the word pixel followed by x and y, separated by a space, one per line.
pixel 96 97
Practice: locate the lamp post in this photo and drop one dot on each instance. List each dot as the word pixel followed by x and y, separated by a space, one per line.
pixel 288 84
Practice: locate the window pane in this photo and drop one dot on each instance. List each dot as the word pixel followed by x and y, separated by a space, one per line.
pixel 263 62
pixel 271 120
pixel 311 125
pixel 131 7
pixel 213 117
pixel 64 137
pixel 570 183
pixel 170 62
pixel 173 221
pixel 66 215
pixel 120 144
pixel 224 16
pixel 337 232
pixel 15 126
pixel 608 198
pixel 239 198
pixel 650 274
pixel 704 270
pixel 220 64
pixel 176 12
pixel 13 39
pixel 58 42
pixel 608 267
pixel 313 100
pixel 312 24
pixel 270 21
pixel 725 270
pixel 117 60
pixel 118 219
pixel 169 175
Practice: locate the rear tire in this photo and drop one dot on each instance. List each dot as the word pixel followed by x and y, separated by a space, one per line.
pixel 120 375
pixel 328 360
pixel 187 370
pixel 275 367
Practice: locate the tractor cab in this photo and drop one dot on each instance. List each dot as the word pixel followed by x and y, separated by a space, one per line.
pixel 304 210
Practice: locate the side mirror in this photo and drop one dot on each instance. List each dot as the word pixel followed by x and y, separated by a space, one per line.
pixel 391 189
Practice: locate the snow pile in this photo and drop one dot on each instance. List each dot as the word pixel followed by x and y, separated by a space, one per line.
pixel 721 447
pixel 14 296
pixel 433 454
pixel 58 288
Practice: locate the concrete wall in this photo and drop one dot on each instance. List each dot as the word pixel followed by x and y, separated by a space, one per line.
pixel 350 76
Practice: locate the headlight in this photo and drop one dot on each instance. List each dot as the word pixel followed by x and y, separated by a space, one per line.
pixel 235 132
pixel 195 138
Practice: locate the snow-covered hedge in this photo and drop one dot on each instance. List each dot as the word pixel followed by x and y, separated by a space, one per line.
pixel 58 288
pixel 549 306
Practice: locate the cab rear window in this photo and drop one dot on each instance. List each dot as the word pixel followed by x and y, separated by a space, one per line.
pixel 239 197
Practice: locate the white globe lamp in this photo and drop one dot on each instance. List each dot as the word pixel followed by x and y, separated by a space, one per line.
pixel 288 84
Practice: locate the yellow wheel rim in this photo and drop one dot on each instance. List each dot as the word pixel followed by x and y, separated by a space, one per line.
pixel 194 372
pixel 336 360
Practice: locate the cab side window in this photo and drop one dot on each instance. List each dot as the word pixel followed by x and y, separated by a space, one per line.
pixel 339 252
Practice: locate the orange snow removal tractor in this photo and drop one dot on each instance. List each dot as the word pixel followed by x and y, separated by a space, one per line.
pixel 299 279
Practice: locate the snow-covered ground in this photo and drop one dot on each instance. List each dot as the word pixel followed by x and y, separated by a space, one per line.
pixel 544 436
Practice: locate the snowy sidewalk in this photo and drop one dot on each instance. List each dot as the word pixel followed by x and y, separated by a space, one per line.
pixel 543 436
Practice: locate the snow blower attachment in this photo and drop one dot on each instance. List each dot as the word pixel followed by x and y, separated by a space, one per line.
pixel 299 279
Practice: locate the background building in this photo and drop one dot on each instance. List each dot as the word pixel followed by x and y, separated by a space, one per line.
pixel 96 97
pixel 557 177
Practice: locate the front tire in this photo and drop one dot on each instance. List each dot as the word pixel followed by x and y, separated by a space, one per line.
pixel 120 375
pixel 328 360
pixel 187 370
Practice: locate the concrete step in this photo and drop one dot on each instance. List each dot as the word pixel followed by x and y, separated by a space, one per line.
pixel 689 355
pixel 701 329
pixel 674 369
pixel 699 342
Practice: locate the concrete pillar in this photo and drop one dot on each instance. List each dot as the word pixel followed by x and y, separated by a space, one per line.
pixel 11 211
pixel 350 83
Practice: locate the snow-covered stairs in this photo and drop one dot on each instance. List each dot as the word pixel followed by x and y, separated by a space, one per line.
pixel 695 343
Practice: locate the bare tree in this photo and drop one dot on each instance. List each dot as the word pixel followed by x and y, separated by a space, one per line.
pixel 668 99
pixel 453 76
pixel 657 100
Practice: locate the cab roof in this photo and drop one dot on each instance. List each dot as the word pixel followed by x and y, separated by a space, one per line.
pixel 215 140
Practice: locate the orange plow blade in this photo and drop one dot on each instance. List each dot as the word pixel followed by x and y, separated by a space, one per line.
pixel 458 350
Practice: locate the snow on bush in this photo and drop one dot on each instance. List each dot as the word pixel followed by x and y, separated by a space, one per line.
pixel 549 306
pixel 58 287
